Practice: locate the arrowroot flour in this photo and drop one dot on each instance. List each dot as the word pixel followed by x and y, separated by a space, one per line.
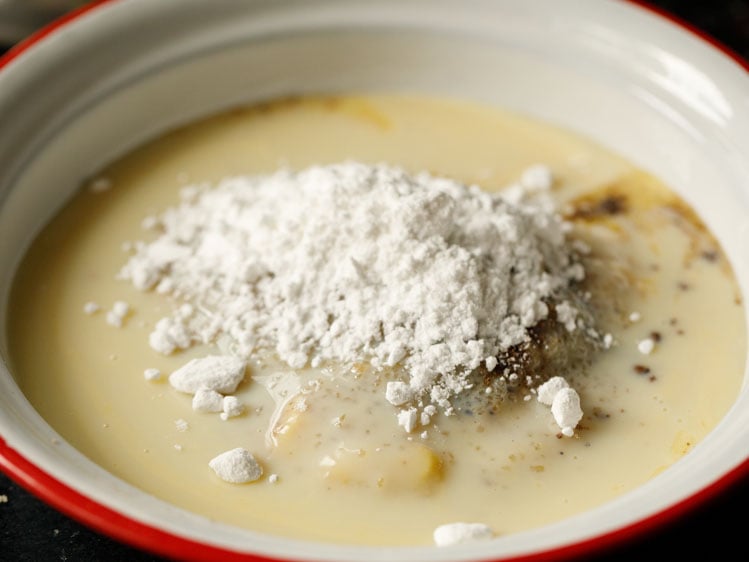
pixel 353 262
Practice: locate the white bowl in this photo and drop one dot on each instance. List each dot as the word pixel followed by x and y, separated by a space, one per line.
pixel 104 81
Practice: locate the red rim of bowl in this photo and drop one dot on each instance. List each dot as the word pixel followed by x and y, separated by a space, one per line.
pixel 140 535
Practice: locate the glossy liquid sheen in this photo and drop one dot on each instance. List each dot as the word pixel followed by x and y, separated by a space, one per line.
pixel 509 470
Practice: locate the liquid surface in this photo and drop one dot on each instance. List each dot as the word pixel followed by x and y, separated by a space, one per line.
pixel 331 438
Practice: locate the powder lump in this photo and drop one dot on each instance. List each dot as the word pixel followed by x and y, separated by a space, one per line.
pixel 207 400
pixel 549 389
pixel 564 402
pixel 220 373
pixel 353 262
pixel 646 346
pixel 566 410
pixel 91 308
pixel 116 316
pixel 237 466
pixel 151 374
pixel 459 533
pixel 231 407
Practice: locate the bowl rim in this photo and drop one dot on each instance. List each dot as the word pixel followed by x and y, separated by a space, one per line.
pixel 151 539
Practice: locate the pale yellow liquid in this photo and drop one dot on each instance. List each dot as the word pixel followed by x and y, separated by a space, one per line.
pixel 509 470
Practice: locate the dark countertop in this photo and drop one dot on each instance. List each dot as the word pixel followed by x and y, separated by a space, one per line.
pixel 32 531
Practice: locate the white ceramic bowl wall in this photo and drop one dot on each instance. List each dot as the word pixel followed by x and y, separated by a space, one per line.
pixel 125 71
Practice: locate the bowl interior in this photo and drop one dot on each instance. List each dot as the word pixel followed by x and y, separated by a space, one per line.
pixel 617 74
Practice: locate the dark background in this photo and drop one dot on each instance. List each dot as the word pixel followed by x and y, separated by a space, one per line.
pixel 31 531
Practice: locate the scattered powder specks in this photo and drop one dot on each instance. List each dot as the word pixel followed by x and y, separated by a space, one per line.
pixel 181 425
pixel 100 185
pixel 608 341
pixel 351 262
pixel 537 178
pixel 646 346
pixel 300 405
pixel 91 308
pixel 152 374
pixel 3 498
pixel 327 461
pixel 120 308
pixel 567 315
pixel 119 311
pixel 150 223
pixel 114 320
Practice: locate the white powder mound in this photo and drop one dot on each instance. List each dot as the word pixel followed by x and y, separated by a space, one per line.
pixel 352 262
pixel 459 533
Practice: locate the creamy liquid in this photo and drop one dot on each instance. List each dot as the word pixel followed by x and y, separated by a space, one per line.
pixel 509 470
